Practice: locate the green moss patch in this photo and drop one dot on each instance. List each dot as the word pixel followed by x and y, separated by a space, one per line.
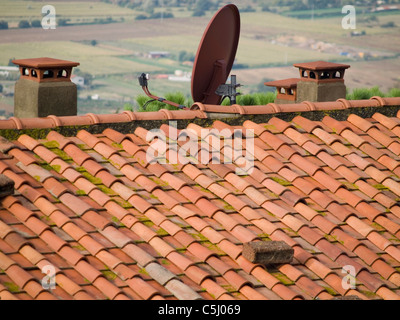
pixel 51 144
pixel 12 287
pixel 282 182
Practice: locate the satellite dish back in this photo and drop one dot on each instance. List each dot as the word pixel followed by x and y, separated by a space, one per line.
pixel 215 55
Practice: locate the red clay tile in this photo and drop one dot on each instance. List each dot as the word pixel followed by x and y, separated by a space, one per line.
pixel 108 289
pixel 329 249
pixel 142 288
pixel 384 120
pixel 87 271
pixel 285 293
pixel 15 240
pixel 19 275
pixel 339 211
pixel 306 124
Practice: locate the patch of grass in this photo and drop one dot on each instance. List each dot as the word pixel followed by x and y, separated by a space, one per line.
pixel 394 92
pixel 364 93
pixel 145 103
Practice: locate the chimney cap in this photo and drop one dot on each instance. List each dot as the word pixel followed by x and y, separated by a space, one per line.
pixel 321 65
pixel 43 63
pixel 285 83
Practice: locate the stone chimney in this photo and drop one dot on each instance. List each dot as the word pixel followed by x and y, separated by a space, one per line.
pixel 321 81
pixel 45 88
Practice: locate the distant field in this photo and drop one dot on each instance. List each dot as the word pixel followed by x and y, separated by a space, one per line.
pixel 92 59
pixel 117 59
pixel 328 29
pixel 262 52
pixel 12 10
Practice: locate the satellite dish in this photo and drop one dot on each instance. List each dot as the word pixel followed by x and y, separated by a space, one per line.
pixel 215 55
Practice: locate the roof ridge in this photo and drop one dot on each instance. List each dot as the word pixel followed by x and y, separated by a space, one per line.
pixel 197 111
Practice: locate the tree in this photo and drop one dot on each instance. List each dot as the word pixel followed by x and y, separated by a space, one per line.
pixel 23 24
pixel 141 17
pixel 36 24
pixel 1 88
pixel 128 107
pixel 198 13
pixel 63 22
pixel 3 24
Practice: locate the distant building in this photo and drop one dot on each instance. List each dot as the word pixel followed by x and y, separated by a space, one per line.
pixel 79 81
pixel 5 70
pixel 157 54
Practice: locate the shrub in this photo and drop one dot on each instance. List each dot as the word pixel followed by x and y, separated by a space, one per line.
pixel 198 13
pixel 128 107
pixel 248 8
pixel 364 93
pixel 3 24
pixel 36 24
pixel 389 24
pixel 63 22
pixel 394 92
pixel 263 98
pixel 246 100
pixel 177 97
pixel 141 17
pixel 159 15
pixel 23 24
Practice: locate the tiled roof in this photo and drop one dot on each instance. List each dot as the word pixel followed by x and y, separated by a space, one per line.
pixel 197 111
pixel 116 224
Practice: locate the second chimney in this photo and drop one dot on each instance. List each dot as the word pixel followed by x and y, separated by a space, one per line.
pixel 45 88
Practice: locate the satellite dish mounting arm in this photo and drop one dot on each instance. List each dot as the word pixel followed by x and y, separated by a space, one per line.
pixel 143 81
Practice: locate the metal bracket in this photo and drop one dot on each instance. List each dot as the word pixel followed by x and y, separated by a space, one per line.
pixel 229 90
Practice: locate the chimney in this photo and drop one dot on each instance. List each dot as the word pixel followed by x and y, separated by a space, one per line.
pixel 286 90
pixel 321 81
pixel 45 88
